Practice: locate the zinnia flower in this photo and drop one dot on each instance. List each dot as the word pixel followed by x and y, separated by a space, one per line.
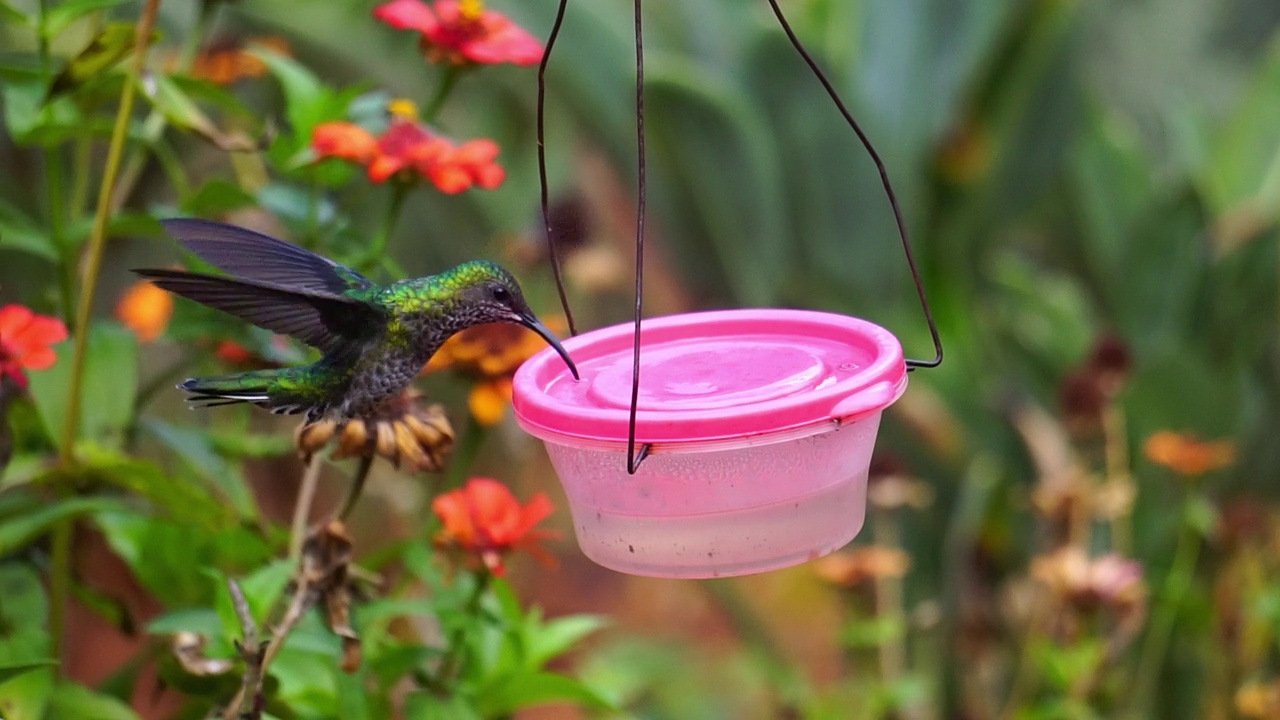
pixel 25 342
pixel 462 32
pixel 145 309
pixel 1187 455
pixel 485 519
pixel 408 151
pixel 489 354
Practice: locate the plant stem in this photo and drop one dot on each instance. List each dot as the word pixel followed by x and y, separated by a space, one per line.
pixel 1116 455
pixel 1155 646
pixel 452 73
pixel 453 657
pixel 889 602
pixel 464 453
pixel 399 192
pixel 60 564
pixel 57 230
pixel 302 507
pixel 357 484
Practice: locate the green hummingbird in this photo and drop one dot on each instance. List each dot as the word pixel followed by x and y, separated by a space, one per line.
pixel 374 339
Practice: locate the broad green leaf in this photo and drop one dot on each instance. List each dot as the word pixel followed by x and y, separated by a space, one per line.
pixel 423 705
pixel 13 15
pixel 353 698
pixel 194 448
pixel 175 497
pixel 1243 168
pixel 110 384
pixel 167 557
pixel 12 670
pixel 77 702
pixel 60 17
pixel 304 94
pixel 527 690
pixel 109 46
pixel 545 641
pixel 20 530
pixel 216 197
pixel 19 232
pixel 197 620
pixel 26 696
pixel 177 107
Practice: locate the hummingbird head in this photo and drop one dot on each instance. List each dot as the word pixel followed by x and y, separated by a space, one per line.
pixel 487 293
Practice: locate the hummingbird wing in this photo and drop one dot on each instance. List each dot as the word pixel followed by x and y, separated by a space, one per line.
pixel 254 256
pixel 322 320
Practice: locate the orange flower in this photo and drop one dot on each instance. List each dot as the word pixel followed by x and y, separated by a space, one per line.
pixel 462 32
pixel 484 518
pixel 225 62
pixel 145 309
pixel 408 150
pixel 25 340
pixel 1187 455
pixel 489 354
pixel 344 140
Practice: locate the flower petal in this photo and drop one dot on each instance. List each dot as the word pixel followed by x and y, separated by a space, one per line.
pixel 407 15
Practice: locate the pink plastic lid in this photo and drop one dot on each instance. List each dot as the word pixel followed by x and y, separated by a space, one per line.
pixel 713 376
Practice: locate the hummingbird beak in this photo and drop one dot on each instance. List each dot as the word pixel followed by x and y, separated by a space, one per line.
pixel 536 325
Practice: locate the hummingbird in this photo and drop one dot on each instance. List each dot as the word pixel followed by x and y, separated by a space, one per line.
pixel 374 339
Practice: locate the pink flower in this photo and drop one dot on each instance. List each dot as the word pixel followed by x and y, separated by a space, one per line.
pixel 462 32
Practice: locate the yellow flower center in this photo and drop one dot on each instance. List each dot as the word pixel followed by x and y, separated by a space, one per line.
pixel 471 10
pixel 403 108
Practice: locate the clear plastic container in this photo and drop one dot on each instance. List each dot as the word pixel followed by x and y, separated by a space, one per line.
pixel 761 425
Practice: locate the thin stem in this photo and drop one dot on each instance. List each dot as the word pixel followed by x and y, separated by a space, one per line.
pixel 377 248
pixel 454 656
pixel 889 602
pixel 1155 646
pixel 357 485
pixel 302 506
pixel 452 73
pixel 98 235
pixel 464 453
pixel 53 173
pixel 1025 675
pixel 1116 453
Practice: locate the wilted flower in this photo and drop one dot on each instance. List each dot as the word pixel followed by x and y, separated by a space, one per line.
pixel 25 342
pixel 401 430
pixel 145 309
pixel 1187 455
pixel 1110 582
pixel 489 354
pixel 861 564
pixel 462 32
pixel 485 519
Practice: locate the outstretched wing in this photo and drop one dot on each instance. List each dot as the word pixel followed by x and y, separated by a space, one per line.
pixel 323 321
pixel 254 256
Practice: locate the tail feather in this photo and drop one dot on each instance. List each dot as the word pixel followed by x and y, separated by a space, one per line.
pixel 258 387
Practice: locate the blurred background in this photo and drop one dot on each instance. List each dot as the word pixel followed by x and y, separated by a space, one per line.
pixel 1074 516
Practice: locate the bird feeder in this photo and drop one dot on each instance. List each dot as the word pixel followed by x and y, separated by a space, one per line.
pixel 716 443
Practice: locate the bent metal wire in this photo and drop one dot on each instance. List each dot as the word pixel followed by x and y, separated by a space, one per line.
pixel 634 456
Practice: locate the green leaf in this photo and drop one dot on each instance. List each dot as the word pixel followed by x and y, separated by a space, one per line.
pixel 177 107
pixel 60 17
pixel 185 502
pixel 216 197
pixel 196 451
pixel 109 388
pixel 109 46
pixel 1243 168
pixel 305 96
pixel 545 641
pixel 14 16
pixel 198 620
pixel 423 705
pixel 513 693
pixel 1201 515
pixel 19 232
pixel 26 696
pixel 76 702
pixel 262 588
pixel 19 531
pixel 12 670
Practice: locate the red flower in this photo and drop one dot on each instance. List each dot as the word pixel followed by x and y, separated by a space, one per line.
pixel 485 518
pixel 462 31
pixel 408 148
pixel 25 340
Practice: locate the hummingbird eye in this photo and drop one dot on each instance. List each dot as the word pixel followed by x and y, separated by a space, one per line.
pixel 501 294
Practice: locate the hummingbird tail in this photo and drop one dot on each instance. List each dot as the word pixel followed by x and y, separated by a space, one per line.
pixel 259 387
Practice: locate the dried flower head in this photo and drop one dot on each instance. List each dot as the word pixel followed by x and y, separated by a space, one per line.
pixel 485 520
pixel 865 563
pixel 1109 583
pixel 1085 393
pixel 402 430
pixel 1187 455
pixel 890 487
